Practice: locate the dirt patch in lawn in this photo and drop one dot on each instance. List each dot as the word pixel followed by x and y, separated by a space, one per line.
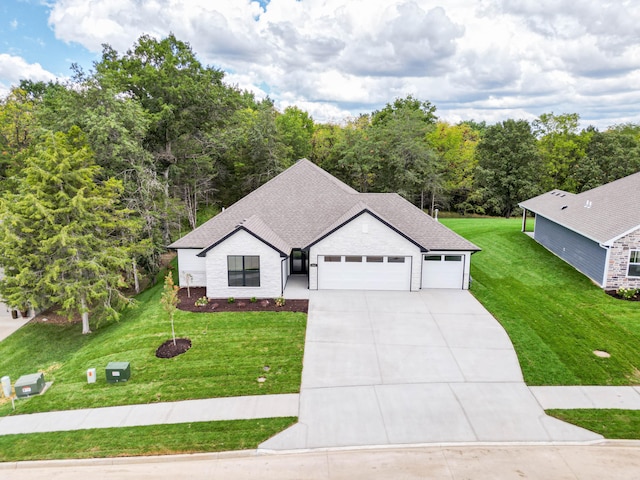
pixel 50 316
pixel 238 305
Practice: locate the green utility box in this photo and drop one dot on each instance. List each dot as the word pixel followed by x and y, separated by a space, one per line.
pixel 118 372
pixel 28 385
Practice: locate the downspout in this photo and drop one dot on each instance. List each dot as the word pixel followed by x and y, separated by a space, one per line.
pixel 411 273
pixel 282 282
pixel 606 265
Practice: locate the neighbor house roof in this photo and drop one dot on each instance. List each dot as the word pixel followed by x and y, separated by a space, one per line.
pixel 602 214
pixel 304 203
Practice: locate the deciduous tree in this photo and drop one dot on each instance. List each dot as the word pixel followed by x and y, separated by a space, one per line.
pixel 296 130
pixel 610 155
pixel 184 100
pixel 509 166
pixel 561 148
pixel 455 145
pixel 169 301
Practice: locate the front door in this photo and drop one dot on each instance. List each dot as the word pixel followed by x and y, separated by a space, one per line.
pixel 298 262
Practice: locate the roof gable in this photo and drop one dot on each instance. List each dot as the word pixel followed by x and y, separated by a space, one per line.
pixel 260 230
pixel 353 213
pixel 602 214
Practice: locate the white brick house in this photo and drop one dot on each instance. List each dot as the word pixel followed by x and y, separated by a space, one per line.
pixel 307 222
pixel 597 231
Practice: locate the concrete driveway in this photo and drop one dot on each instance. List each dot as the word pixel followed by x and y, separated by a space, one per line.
pixel 393 368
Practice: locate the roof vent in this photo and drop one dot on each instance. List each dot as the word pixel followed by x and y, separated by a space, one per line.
pixel 564 206
pixel 588 204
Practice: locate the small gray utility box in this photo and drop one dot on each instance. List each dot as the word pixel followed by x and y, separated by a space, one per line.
pixel 28 385
pixel 118 372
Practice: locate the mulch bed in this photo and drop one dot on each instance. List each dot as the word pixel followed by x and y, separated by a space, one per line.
pixel 50 316
pixel 614 293
pixel 239 305
pixel 169 350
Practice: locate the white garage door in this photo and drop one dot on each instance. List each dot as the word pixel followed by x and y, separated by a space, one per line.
pixel 364 272
pixel 442 271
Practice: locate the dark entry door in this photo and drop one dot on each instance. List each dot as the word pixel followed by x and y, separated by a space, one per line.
pixel 298 262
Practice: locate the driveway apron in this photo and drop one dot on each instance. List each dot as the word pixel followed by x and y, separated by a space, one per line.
pixel 393 368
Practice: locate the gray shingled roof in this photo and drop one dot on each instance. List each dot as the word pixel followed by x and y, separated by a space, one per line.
pixel 304 203
pixel 602 214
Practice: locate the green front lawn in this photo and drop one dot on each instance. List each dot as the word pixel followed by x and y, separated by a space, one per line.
pixel 556 317
pixel 610 423
pixel 150 440
pixel 229 353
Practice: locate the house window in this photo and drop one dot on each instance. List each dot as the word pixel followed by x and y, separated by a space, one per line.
pixel 332 258
pixel 453 258
pixel 395 260
pixel 244 271
pixel 375 259
pixel 634 264
pixel 352 259
pixel 432 258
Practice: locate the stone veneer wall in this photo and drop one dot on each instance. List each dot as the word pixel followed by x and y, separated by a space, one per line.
pixel 619 262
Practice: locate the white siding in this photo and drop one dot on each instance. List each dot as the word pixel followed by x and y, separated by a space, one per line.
pixel 365 235
pixel 190 263
pixel 243 243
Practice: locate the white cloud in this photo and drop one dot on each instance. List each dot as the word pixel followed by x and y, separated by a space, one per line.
pixel 13 69
pixel 489 58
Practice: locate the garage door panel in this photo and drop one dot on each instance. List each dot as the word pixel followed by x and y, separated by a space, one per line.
pixel 442 270
pixel 370 273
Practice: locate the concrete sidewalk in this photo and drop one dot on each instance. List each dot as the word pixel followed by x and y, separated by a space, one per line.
pixel 8 324
pixel 207 410
pixel 267 406
pixel 571 397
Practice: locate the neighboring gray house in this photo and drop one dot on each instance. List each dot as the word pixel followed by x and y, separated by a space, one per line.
pixel 597 231
pixel 307 222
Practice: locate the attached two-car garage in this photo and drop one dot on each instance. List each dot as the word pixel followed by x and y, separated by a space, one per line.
pixel 366 253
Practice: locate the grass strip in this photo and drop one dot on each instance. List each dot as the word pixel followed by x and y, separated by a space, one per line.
pixel 148 440
pixel 610 423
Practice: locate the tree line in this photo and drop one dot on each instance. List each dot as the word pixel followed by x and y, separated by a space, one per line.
pixel 98 174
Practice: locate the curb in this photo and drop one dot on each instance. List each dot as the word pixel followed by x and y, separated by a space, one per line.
pixel 262 452
pixel 126 460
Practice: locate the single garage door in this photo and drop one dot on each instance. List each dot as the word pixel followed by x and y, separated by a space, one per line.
pixel 364 272
pixel 442 271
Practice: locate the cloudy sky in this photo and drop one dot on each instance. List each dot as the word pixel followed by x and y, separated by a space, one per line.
pixel 474 59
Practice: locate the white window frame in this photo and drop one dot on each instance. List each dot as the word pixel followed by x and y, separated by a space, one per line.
pixel 636 262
